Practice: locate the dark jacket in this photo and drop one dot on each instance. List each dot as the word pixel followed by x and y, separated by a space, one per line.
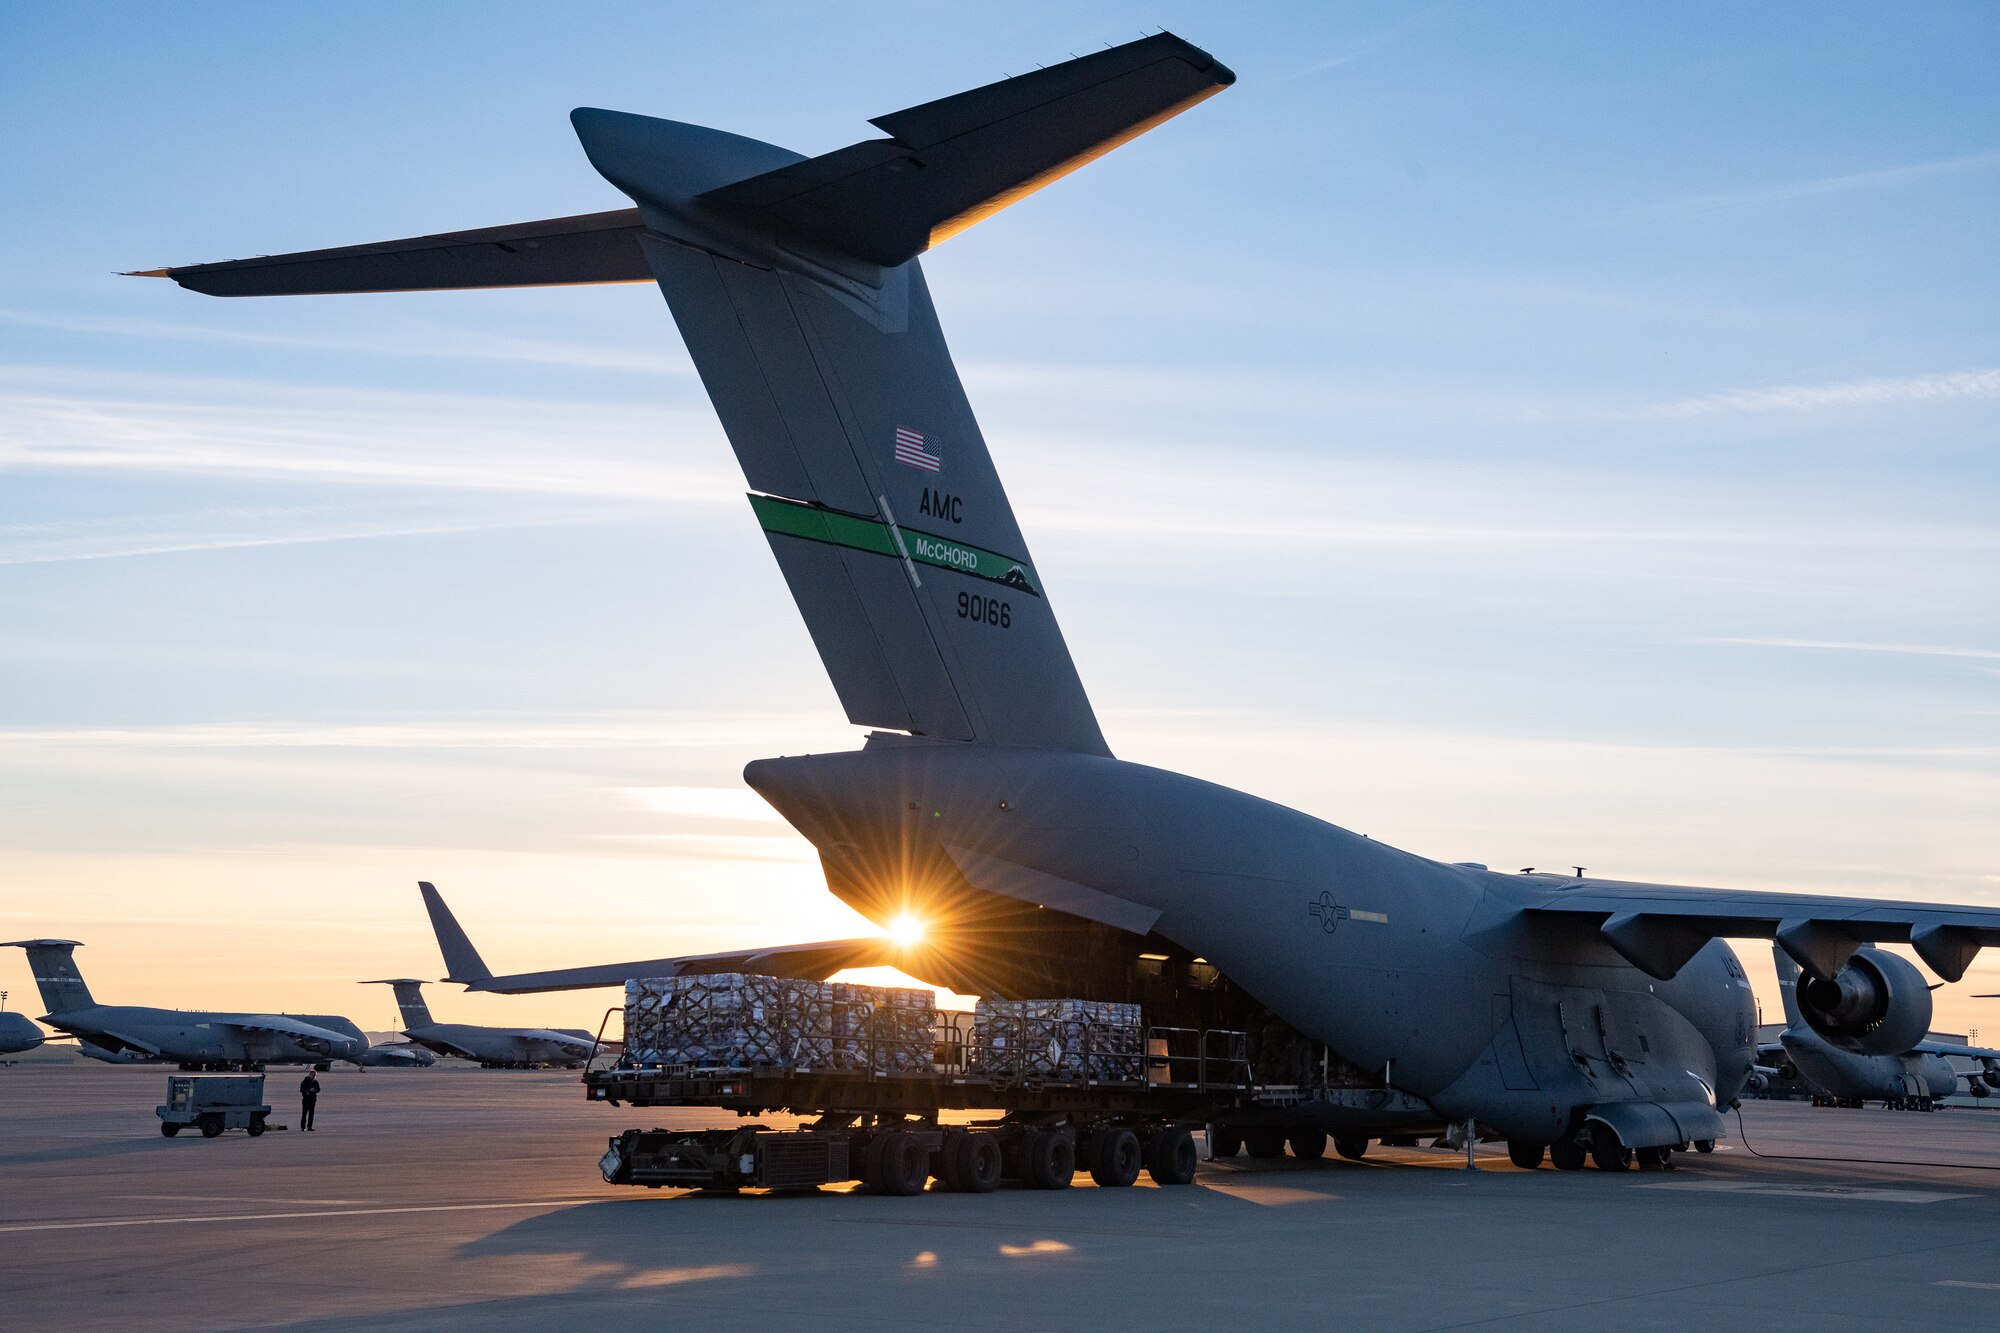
pixel 309 1087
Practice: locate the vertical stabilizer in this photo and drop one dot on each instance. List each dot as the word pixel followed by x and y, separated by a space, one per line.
pixel 461 961
pixel 53 963
pixel 409 1000
pixel 796 286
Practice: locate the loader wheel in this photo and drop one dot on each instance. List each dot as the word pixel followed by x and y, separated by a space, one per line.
pixel 256 1126
pixel 1351 1146
pixel 1704 1145
pixel 1115 1157
pixel 1527 1156
pixel 1171 1158
pixel 1223 1143
pixel 1264 1144
pixel 1308 1145
pixel 900 1164
pixel 169 1128
pixel 1656 1159
pixel 1049 1160
pixel 944 1164
pixel 211 1126
pixel 976 1164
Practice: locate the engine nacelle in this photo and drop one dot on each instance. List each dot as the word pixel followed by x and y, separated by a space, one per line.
pixel 1990 1073
pixel 1978 1089
pixel 1877 1005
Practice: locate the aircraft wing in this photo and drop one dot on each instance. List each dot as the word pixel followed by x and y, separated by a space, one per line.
pixel 124 1042
pixel 1658 927
pixel 308 1035
pixel 1946 1048
pixel 786 960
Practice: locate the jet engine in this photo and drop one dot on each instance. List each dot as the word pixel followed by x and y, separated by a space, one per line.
pixel 1876 1005
pixel 1989 1073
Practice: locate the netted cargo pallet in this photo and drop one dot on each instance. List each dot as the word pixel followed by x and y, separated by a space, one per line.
pixel 1095 1041
pixel 738 1021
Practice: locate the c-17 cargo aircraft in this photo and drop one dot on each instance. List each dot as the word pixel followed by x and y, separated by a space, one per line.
pixel 1914 1079
pixel 196 1039
pixel 492 1047
pixel 1586 1016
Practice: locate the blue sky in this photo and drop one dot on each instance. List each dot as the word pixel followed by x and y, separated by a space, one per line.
pixel 1541 434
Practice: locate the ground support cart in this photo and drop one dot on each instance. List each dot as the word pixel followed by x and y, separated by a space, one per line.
pixel 213 1103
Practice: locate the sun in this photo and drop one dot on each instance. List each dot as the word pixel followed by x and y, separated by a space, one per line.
pixel 906 930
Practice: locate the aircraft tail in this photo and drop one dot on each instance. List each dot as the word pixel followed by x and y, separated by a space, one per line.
pixel 409 1000
pixel 462 962
pixel 796 287
pixel 53 963
pixel 1788 986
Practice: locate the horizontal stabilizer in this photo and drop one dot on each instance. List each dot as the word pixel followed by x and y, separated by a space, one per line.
pixel 960 159
pixel 813 961
pixel 590 248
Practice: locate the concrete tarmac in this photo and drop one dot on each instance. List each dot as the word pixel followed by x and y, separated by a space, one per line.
pixel 470 1199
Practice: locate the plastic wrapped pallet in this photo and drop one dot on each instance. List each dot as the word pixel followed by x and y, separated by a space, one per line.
pixel 1097 1040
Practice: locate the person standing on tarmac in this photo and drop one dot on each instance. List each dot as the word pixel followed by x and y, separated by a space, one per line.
pixel 308 1099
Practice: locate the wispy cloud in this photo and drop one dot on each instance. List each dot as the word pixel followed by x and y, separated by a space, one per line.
pixel 456 343
pixel 726 803
pixel 1697 207
pixel 554 731
pixel 1849 646
pixel 1871 391
pixel 239 528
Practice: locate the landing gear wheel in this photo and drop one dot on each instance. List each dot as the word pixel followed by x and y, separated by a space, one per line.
pixel 1608 1152
pixel 1351 1146
pixel 1115 1157
pixel 1308 1145
pixel 1171 1158
pixel 1656 1159
pixel 1223 1143
pixel 1567 1155
pixel 898 1164
pixel 168 1128
pixel 1048 1160
pixel 256 1126
pixel 1527 1156
pixel 976 1164
pixel 211 1126
pixel 1704 1145
pixel 1264 1144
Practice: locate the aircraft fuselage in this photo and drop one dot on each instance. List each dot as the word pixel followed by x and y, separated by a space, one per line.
pixel 198 1036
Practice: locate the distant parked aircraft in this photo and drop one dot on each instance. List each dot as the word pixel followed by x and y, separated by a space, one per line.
pixel 396 1055
pixel 492 1047
pixel 197 1039
pixel 17 1034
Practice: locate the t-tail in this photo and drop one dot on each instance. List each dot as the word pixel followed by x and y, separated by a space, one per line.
pixel 796 285
pixel 462 962
pixel 53 963
pixel 410 999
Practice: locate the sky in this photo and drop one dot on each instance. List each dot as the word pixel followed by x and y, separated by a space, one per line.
pixel 1544 434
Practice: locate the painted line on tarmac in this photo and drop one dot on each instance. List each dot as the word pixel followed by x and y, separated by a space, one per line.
pixel 1869 1193
pixel 1976 1286
pixel 285 1217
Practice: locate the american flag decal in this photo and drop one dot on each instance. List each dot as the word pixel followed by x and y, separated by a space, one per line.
pixel 910 451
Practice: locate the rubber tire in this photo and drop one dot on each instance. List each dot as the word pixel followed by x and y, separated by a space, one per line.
pixel 1171 1158
pixel 1527 1156
pixel 1704 1145
pixel 1608 1152
pixel 1048 1160
pixel 169 1128
pixel 976 1163
pixel 944 1164
pixel 899 1166
pixel 1567 1155
pixel 1654 1159
pixel 211 1127
pixel 1115 1157
pixel 256 1126
pixel 1308 1145
pixel 1264 1144
pixel 1223 1143
pixel 1351 1146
